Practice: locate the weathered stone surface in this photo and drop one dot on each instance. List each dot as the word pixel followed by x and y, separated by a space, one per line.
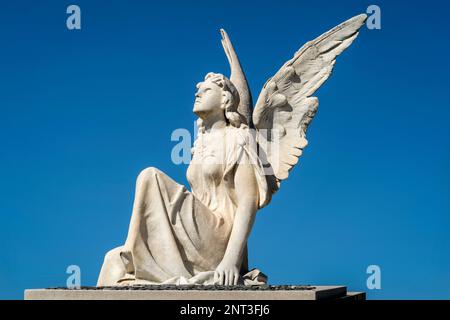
pixel 239 160
pixel 195 293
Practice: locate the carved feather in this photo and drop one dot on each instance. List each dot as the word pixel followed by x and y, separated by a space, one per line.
pixel 285 106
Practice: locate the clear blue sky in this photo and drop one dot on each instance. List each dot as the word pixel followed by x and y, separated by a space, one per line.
pixel 82 112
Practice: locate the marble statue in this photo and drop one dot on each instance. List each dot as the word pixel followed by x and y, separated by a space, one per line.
pixel 239 159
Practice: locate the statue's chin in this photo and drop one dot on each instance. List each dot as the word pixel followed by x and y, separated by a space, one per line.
pixel 197 108
pixel 199 112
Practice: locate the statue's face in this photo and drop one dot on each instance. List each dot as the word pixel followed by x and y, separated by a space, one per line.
pixel 208 98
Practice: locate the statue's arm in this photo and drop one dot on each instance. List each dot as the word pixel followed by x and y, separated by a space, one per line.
pixel 246 191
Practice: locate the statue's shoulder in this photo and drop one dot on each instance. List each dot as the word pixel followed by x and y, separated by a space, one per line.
pixel 242 135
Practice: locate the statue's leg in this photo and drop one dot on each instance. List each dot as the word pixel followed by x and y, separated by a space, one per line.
pixel 112 269
pixel 151 249
pixel 171 234
pixel 139 204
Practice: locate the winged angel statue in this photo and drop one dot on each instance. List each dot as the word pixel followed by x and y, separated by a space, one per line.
pixel 239 158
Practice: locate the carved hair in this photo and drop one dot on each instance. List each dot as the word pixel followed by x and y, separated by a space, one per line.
pixel 232 96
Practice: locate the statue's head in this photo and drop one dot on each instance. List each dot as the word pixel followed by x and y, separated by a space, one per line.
pixel 215 95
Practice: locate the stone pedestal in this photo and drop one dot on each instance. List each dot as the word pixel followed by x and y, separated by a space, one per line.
pixel 196 293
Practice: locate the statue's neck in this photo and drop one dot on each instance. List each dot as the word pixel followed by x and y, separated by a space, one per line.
pixel 214 123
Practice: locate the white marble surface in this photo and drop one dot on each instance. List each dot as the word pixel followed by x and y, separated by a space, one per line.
pixel 200 235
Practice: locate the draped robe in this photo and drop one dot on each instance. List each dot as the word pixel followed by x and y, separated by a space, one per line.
pixel 177 236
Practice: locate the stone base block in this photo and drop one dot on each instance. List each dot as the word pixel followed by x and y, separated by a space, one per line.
pixel 195 293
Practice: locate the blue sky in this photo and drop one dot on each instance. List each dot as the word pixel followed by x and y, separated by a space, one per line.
pixel 82 112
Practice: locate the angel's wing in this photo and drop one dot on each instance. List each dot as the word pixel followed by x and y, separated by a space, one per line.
pixel 285 106
pixel 238 79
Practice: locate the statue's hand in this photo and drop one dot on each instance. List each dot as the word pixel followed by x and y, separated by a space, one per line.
pixel 226 274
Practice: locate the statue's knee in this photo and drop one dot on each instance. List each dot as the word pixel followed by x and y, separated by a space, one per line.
pixel 147 174
pixel 112 256
pixel 112 269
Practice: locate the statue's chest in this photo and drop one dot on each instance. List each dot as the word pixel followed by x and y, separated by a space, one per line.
pixel 208 161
